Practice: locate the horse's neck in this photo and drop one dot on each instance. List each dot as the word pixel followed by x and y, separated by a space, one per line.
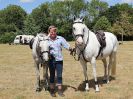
pixel 90 36
pixel 90 40
pixel 36 42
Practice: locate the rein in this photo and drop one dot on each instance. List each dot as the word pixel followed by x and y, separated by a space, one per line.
pixel 81 51
pixel 38 49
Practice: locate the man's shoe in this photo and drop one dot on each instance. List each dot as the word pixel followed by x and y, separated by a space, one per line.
pixel 52 93
pixel 60 93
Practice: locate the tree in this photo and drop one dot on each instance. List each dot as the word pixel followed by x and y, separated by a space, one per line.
pixel 11 19
pixel 102 24
pixel 95 7
pixel 113 14
pixel 61 15
pixel 125 24
pixel 123 27
pixel 30 27
pixel 14 15
pixel 7 37
pixel 42 18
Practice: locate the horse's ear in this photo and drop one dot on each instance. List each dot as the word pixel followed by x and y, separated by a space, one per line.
pixel 82 19
pixel 74 18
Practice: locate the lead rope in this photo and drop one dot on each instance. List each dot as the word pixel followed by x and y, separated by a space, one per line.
pixel 81 51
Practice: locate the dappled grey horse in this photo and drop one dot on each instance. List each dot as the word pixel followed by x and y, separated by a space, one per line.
pixel 40 52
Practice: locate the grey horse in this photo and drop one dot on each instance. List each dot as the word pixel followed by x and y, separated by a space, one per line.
pixel 40 53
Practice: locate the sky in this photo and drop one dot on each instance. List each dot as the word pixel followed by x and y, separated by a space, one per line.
pixel 29 5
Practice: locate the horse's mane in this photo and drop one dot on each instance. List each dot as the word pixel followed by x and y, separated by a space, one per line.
pixel 42 34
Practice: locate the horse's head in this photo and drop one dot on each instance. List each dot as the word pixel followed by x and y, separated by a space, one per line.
pixel 78 31
pixel 43 48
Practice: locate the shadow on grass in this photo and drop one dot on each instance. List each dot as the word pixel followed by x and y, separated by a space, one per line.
pixel 81 87
pixel 43 86
pixel 64 87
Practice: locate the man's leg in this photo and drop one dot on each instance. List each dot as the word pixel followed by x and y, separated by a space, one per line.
pixel 52 76
pixel 59 68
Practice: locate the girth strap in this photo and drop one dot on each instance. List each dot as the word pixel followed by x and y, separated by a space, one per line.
pixel 101 38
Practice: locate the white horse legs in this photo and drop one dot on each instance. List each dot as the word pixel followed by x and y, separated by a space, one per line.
pixel 106 76
pixel 45 76
pixel 93 63
pixel 38 77
pixel 84 66
pixel 111 65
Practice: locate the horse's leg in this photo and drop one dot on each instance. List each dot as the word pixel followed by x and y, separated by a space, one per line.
pixel 109 65
pixel 38 76
pixel 45 76
pixel 93 63
pixel 84 66
pixel 105 70
pixel 112 64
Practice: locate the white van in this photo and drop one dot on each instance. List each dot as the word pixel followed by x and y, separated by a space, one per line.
pixel 17 39
pixel 23 39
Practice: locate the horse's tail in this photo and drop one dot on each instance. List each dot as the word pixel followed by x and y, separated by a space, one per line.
pixel 113 69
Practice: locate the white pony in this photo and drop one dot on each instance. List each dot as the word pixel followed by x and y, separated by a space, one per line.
pixel 87 48
pixel 40 52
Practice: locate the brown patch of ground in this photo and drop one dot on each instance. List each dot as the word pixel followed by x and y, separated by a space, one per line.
pixel 17 76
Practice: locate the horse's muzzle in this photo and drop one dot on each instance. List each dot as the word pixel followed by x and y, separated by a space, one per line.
pixel 79 43
pixel 45 62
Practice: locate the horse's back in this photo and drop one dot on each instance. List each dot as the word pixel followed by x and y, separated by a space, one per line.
pixel 111 44
pixel 111 38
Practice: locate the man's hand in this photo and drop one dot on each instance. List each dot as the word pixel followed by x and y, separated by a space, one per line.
pixel 71 50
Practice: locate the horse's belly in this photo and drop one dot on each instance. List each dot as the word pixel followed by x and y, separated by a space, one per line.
pixel 106 52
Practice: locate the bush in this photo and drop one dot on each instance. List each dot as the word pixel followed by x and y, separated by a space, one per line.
pixel 7 37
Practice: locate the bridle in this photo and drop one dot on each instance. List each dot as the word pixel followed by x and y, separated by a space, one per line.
pixel 76 46
pixel 78 35
pixel 40 53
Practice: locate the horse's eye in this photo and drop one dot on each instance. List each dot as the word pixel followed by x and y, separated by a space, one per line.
pixel 73 29
pixel 83 30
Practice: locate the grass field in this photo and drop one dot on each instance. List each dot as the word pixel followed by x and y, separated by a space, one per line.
pixel 17 76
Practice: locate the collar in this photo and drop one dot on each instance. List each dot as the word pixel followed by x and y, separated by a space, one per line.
pixel 57 37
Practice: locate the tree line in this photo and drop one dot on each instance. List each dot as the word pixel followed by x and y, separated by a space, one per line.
pixel 98 15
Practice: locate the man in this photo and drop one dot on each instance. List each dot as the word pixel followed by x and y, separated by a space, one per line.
pixel 56 61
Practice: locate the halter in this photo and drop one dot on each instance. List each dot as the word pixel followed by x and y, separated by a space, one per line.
pixel 78 35
pixel 76 46
pixel 39 52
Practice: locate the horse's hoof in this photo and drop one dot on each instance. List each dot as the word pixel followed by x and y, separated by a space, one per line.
pixel 97 91
pixel 105 81
pixel 86 90
pixel 46 88
pixel 38 89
